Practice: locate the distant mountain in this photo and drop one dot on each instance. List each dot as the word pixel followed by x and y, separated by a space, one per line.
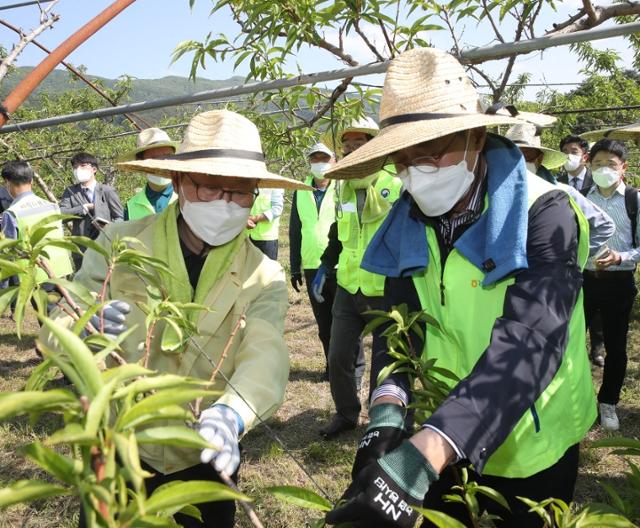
pixel 142 89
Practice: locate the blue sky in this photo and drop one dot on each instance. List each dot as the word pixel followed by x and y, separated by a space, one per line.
pixel 140 40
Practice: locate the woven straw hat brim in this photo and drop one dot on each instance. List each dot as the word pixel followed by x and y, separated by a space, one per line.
pixel 374 154
pixel 629 132
pixel 232 167
pixel 552 158
pixel 131 155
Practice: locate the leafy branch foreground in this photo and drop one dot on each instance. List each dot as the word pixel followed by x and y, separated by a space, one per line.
pixel 111 407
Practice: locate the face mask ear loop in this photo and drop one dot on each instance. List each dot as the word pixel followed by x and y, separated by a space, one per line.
pixel 466 147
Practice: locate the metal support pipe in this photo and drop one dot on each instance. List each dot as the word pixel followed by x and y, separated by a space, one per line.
pixel 79 75
pixel 36 76
pixel 473 56
pixel 23 4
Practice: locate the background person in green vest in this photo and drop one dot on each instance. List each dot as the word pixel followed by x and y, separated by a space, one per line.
pixel 362 207
pixel 495 255
pixel 312 213
pixel 158 192
pixel 264 221
pixel 26 210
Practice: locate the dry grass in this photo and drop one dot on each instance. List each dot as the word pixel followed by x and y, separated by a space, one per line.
pixel 307 406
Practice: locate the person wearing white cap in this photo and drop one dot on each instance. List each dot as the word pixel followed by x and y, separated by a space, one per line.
pixel 363 204
pixel 158 192
pixel 494 255
pixel 202 239
pixel 312 214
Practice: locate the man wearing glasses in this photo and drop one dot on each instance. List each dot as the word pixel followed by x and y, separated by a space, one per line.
pixel 609 285
pixel 202 239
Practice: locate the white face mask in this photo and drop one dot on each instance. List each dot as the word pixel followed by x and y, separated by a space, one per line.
pixel 531 166
pixel 158 180
pixel 605 177
pixel 573 163
pixel 82 174
pixel 437 192
pixel 318 169
pixel 216 222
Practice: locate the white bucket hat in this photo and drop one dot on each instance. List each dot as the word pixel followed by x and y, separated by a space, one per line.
pixel 365 125
pixel 150 138
pixel 320 147
pixel 524 135
pixel 218 143
pixel 426 95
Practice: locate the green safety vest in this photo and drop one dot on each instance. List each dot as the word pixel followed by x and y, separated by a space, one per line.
pixel 466 312
pixel 28 211
pixel 139 205
pixel 315 224
pixel 355 238
pixel 264 230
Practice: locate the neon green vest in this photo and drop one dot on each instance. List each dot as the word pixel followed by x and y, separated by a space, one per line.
pixel 139 205
pixel 467 311
pixel 355 238
pixel 315 224
pixel 264 230
pixel 27 212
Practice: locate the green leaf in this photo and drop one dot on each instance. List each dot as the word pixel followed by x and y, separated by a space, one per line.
pixel 180 494
pixel 441 520
pixel 174 435
pixel 493 495
pixel 6 298
pixel 300 497
pixel 25 291
pixel 127 449
pixel 29 490
pixel 42 374
pixel 125 372
pixel 164 381
pixel 630 446
pixel 61 467
pixel 99 408
pixel 154 403
pixel 79 290
pixel 191 511
pixel 72 433
pixel 80 356
pixel 89 244
pixel 172 337
pixel 18 403
pixel 168 412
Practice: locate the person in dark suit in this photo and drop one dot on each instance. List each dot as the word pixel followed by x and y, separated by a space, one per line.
pixel 95 204
pixel 576 172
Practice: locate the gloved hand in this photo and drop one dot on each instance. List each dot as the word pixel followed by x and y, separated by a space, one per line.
pixel 387 491
pixel 317 285
pixel 384 433
pixel 220 425
pixel 296 281
pixel 114 315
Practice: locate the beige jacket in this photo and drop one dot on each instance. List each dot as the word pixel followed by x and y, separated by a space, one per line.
pixel 257 363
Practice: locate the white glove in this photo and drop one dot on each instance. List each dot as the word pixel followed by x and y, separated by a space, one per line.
pixel 114 318
pixel 219 426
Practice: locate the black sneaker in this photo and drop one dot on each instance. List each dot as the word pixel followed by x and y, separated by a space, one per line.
pixel 336 426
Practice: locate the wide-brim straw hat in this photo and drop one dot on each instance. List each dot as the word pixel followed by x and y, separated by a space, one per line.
pixel 365 125
pixel 426 95
pixel 150 138
pixel 218 143
pixel 623 133
pixel 525 136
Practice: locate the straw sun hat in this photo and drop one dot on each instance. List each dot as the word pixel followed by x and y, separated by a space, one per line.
pixel 426 95
pixel 150 138
pixel 218 143
pixel 524 135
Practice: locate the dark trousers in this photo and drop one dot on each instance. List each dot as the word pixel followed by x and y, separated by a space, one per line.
pixel 322 311
pixel 611 293
pixel 556 481
pixel 218 514
pixel 268 247
pixel 346 353
pixel 595 333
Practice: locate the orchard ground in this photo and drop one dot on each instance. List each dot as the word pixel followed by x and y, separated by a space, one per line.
pixel 307 406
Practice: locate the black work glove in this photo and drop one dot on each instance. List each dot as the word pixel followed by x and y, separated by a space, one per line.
pixel 387 492
pixel 384 433
pixel 296 281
